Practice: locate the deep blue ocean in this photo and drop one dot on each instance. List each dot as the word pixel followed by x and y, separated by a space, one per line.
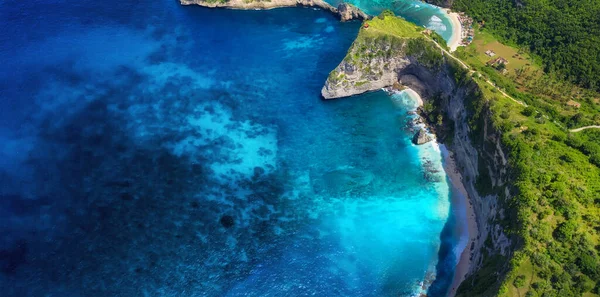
pixel 151 149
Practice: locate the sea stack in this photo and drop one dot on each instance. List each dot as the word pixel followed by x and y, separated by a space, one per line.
pixel 421 137
pixel 348 12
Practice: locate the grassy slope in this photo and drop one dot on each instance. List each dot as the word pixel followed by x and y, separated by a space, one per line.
pixel 387 24
pixel 526 81
pixel 556 183
pixel 384 36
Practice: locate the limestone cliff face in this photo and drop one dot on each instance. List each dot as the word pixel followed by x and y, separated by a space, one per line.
pixel 348 12
pixel 345 11
pixel 257 4
pixel 365 69
pixel 375 62
pixel 480 157
pixel 442 3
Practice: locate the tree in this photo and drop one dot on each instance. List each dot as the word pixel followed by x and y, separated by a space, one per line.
pixel 565 231
pixel 528 111
pixel 519 281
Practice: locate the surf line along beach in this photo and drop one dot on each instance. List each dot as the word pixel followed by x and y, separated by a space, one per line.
pixel 462 206
pixel 455 40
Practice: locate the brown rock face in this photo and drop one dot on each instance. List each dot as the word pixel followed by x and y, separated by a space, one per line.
pixel 421 137
pixel 346 12
pixel 349 12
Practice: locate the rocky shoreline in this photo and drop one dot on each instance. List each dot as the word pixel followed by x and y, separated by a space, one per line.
pixel 425 132
pixel 465 259
pixel 345 11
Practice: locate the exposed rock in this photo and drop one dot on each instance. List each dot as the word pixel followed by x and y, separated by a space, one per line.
pixel 369 65
pixel 442 3
pixel 349 12
pixel 421 137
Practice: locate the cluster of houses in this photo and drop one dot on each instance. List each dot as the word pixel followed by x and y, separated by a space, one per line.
pixel 467 31
pixel 497 61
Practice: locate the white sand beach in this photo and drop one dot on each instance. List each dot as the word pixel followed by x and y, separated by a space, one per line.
pixel 455 40
pixel 414 95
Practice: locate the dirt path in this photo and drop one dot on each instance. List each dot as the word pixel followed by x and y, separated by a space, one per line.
pixel 498 89
pixel 465 66
pixel 583 128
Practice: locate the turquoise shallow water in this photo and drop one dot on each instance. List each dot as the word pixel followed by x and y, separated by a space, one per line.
pixel 158 150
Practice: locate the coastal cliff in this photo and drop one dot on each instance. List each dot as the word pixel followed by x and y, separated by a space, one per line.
pixel 345 11
pixel 441 3
pixel 392 52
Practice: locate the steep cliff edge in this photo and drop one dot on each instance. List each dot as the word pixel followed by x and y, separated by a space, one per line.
pixel 390 51
pixel 345 11
pixel 441 3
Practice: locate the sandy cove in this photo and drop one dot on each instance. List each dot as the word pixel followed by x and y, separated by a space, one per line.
pixel 464 200
pixel 411 93
pixel 455 40
pixel 464 263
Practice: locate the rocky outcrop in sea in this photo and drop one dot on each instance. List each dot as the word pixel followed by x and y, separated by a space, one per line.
pixel 348 12
pixel 421 137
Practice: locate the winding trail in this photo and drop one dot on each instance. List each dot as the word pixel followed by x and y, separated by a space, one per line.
pixel 583 128
pixel 471 71
pixel 498 89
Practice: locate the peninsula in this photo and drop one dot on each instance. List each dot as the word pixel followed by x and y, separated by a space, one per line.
pixel 345 11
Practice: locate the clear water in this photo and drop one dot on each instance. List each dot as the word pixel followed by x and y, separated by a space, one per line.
pixel 418 12
pixel 149 149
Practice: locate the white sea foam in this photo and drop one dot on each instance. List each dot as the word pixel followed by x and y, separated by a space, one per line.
pixel 407 99
pixel 436 24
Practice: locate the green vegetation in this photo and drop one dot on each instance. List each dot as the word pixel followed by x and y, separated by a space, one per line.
pixel 379 40
pixel 554 216
pixel 525 81
pixel 439 39
pixel 564 34
pixel 425 53
pixel 387 24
